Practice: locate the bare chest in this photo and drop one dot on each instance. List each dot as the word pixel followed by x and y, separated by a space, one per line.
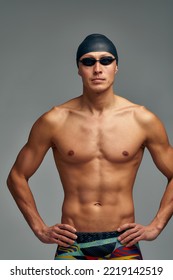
pixel 113 140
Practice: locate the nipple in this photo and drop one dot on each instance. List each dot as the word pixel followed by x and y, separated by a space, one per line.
pixel 125 153
pixel 71 153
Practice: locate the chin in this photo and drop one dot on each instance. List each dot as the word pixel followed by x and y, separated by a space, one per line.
pixel 100 89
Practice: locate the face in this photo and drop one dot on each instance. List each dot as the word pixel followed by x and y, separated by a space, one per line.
pixel 97 77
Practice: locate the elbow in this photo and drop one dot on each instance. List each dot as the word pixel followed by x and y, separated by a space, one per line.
pixel 10 180
pixel 15 179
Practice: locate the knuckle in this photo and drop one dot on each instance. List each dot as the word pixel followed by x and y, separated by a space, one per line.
pixel 64 226
pixel 60 243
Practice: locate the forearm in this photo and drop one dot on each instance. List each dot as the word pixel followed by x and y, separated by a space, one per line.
pixel 165 211
pixel 20 190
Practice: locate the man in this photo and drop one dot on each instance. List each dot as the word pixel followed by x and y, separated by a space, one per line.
pixel 98 141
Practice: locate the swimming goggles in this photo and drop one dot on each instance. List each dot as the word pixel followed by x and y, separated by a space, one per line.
pixel 90 61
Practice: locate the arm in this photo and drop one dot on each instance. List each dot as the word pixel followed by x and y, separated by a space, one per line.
pixel 162 153
pixel 26 164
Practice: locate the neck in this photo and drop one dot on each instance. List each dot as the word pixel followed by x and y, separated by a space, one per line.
pixel 97 103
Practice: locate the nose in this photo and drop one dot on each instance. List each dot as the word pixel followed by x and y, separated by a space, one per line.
pixel 97 68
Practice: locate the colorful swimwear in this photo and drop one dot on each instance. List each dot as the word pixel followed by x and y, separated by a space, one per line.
pixel 98 246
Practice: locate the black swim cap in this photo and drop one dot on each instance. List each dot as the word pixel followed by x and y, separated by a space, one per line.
pixel 96 43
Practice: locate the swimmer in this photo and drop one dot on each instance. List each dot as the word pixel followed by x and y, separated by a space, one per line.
pixel 98 140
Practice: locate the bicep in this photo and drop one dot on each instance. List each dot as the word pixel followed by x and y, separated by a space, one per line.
pixel 163 158
pixel 160 148
pixel 32 154
pixel 28 161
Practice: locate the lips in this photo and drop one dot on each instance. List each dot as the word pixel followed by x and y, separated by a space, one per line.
pixel 98 79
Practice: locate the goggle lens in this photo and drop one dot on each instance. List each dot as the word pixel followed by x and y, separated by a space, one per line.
pixel 89 61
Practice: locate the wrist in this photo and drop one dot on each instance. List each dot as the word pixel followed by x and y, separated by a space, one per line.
pixel 39 229
pixel 158 224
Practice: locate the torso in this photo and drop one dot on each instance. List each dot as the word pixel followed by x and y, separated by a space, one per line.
pixel 97 158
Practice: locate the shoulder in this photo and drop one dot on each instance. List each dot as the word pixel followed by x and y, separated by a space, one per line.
pixel 45 126
pixel 149 122
pixel 146 118
pixel 124 104
pixel 57 115
pixel 152 126
pixel 140 112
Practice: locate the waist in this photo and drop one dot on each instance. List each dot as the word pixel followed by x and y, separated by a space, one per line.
pixel 83 237
pixel 95 224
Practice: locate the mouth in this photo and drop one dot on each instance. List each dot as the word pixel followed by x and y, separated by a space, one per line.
pixel 98 80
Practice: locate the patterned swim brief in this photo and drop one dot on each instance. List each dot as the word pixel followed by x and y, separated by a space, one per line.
pixel 98 246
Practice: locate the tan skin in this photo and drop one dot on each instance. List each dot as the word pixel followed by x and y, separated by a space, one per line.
pixel 98 140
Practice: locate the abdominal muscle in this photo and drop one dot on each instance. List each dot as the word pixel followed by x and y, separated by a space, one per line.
pixel 107 213
pixel 97 195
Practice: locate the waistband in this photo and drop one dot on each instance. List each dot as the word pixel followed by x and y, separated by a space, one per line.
pixel 83 237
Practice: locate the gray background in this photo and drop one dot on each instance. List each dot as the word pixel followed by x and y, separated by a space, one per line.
pixel 38 42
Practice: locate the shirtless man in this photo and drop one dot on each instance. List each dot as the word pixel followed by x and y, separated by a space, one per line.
pixel 98 140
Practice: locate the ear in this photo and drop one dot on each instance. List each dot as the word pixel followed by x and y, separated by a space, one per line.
pixel 116 69
pixel 79 73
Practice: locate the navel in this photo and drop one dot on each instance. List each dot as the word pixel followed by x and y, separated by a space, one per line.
pixel 125 153
pixel 71 153
pixel 97 204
